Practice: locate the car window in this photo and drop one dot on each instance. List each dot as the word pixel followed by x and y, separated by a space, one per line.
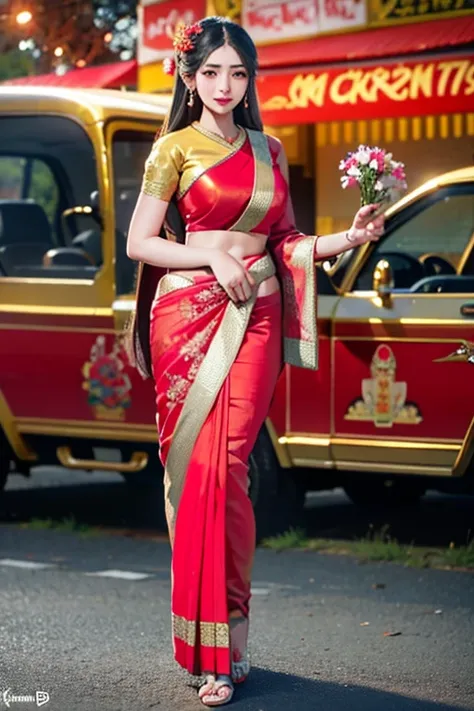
pixel 11 177
pixel 47 168
pixel 427 245
pixel 31 179
pixel 44 191
pixel 129 152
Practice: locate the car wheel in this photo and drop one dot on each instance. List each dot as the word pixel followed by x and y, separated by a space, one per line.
pixel 5 468
pixel 385 493
pixel 146 493
pixel 276 494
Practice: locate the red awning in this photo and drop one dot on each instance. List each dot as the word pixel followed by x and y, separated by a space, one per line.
pixel 105 76
pixel 430 35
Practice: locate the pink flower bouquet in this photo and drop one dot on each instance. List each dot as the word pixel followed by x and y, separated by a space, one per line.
pixel 380 178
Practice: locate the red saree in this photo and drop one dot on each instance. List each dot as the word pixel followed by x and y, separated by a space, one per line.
pixel 215 366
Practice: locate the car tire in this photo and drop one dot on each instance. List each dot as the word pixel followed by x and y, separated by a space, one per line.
pixel 146 493
pixel 5 462
pixel 277 495
pixel 384 493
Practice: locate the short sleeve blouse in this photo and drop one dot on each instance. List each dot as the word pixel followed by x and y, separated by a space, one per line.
pixel 162 168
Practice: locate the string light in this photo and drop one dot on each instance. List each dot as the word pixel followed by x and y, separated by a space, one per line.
pixel 58 52
pixel 24 17
pixel 81 63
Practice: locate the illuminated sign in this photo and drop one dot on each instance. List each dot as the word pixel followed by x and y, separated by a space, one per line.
pixel 387 12
pixel 377 91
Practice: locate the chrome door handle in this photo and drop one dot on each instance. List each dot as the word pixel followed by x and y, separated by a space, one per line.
pixel 467 310
pixel 137 463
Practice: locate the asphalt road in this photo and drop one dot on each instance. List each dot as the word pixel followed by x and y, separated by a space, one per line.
pixel 319 623
pixel 318 639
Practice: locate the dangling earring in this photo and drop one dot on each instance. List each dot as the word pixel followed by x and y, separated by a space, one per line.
pixel 246 102
pixel 191 98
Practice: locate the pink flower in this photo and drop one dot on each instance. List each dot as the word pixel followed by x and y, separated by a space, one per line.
pixel 378 155
pixel 350 162
pixel 398 172
pixel 169 66
pixel 348 182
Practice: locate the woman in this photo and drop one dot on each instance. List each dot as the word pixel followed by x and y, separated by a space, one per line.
pixel 210 329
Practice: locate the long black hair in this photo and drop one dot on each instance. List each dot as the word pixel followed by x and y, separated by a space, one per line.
pixel 214 32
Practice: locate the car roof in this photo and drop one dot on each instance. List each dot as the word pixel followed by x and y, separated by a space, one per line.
pixel 460 175
pixel 91 105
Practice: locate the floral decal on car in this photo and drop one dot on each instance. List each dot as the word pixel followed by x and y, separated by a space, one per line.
pixel 383 398
pixel 107 384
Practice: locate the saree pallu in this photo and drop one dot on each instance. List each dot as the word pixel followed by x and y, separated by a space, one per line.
pixel 215 366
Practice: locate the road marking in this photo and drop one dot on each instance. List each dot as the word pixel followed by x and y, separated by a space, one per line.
pixel 26 564
pixel 260 591
pixel 124 574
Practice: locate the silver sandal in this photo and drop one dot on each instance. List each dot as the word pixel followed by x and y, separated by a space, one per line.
pixel 212 698
pixel 239 652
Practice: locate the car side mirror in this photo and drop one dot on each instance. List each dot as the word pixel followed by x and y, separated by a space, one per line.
pixel 383 282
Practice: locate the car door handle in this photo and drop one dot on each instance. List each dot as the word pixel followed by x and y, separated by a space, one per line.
pixel 467 310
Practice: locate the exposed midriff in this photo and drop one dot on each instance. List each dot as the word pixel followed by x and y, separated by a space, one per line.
pixel 239 245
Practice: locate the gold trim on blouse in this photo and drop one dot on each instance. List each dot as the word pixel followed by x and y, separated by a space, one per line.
pixel 238 142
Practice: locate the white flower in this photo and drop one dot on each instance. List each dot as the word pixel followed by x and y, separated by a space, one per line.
pixel 379 185
pixel 363 156
pixel 342 165
pixel 354 171
pixel 373 164
pixel 344 181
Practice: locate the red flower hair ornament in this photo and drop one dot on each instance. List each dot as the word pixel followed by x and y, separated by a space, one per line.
pixel 183 41
pixel 185 36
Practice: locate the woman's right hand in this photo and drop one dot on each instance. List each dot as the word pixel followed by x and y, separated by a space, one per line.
pixel 232 276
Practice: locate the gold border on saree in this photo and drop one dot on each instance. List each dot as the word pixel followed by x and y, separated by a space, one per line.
pixel 172 282
pixel 211 634
pixel 299 352
pixel 263 187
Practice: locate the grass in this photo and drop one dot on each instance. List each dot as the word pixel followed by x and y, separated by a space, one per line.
pixel 67 524
pixel 378 546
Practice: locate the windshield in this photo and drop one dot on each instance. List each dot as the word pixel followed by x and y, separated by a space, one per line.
pixel 47 169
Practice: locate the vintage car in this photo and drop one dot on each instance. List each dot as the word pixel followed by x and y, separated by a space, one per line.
pixel 389 413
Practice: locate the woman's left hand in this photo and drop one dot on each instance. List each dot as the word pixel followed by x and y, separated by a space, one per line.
pixel 364 229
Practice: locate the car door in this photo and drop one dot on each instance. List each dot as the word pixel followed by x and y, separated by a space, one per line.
pixel 404 386
pixel 55 292
pixel 128 145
